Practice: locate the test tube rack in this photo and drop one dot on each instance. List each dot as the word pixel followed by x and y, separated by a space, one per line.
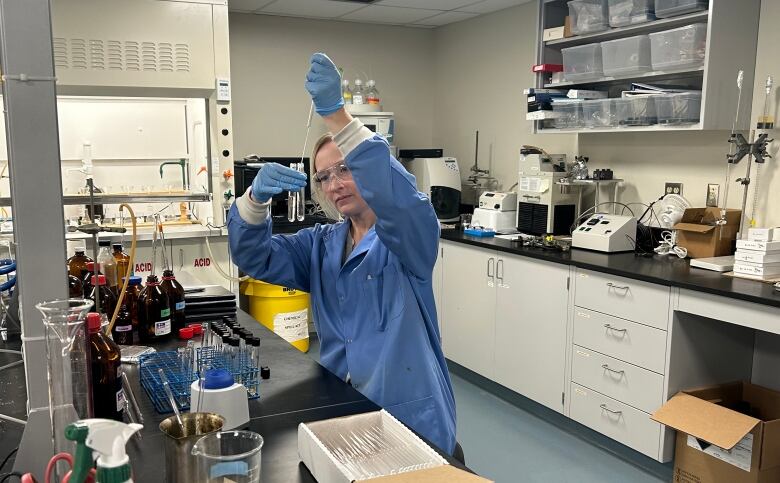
pixel 180 375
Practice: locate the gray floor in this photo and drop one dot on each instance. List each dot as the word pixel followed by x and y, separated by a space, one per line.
pixel 499 438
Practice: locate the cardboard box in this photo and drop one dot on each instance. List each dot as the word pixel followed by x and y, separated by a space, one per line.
pixel 698 232
pixel 567 27
pixel 717 442
pixel 554 33
pixel 319 443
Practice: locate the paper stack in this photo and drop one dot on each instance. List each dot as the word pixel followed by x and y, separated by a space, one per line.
pixel 758 257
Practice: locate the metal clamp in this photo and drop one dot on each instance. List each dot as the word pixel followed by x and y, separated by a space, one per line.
pixel 617 287
pixel 605 408
pixel 607 368
pixel 613 329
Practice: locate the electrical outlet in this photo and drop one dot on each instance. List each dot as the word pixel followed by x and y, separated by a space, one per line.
pixel 713 195
pixel 673 189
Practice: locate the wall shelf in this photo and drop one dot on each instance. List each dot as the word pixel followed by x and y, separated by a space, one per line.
pixel 631 30
pixel 653 128
pixel 647 76
pixel 114 199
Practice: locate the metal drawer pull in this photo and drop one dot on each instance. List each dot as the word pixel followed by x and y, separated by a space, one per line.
pixel 607 368
pixel 613 329
pixel 605 408
pixel 617 287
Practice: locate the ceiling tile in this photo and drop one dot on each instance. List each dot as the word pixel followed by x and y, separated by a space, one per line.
pixel 432 4
pixel 247 5
pixel 487 6
pixel 394 15
pixel 445 18
pixel 310 8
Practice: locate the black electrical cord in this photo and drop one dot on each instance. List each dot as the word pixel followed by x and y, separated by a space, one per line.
pixel 8 475
pixel 2 465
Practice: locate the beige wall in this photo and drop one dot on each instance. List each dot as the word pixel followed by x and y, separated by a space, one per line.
pixel 270 56
pixel 481 68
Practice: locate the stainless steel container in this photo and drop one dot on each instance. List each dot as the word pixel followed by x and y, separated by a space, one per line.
pixel 180 465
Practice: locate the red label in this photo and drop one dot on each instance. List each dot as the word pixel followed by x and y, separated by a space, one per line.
pixel 202 262
pixel 143 267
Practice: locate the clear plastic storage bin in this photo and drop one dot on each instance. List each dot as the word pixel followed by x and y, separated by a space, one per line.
pixel 636 111
pixel 588 16
pixel 582 63
pixel 679 48
pixel 626 56
pixel 599 113
pixel 628 12
pixel 673 8
pixel 680 108
pixel 568 115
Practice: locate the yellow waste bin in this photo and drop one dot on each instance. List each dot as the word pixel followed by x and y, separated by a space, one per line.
pixel 281 309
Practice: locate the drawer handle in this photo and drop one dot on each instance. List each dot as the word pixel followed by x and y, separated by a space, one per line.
pixel 607 368
pixel 614 329
pixel 605 408
pixel 618 287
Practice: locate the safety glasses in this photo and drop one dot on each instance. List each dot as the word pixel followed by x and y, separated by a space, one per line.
pixel 339 171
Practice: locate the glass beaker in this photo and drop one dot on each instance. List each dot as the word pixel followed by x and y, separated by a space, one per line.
pixel 70 391
pixel 229 456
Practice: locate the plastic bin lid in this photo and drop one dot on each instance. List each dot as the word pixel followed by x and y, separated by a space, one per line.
pixel 217 379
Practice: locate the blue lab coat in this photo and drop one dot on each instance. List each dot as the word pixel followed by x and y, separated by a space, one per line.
pixel 375 314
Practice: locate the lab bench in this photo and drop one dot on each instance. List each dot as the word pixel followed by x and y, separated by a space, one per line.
pixel 299 390
pixel 602 339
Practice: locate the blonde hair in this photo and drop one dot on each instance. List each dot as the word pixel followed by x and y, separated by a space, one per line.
pixel 317 195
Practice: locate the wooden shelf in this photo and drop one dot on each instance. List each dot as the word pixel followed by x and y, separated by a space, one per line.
pixel 631 30
pixel 647 76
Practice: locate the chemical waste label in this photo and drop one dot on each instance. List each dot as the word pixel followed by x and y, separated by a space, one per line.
pixel 740 455
pixel 162 327
pixel 120 400
pixel 292 326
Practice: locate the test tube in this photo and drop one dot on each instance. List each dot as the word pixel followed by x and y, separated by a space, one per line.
pixel 234 367
pixel 301 205
pixel 256 352
pixel 292 205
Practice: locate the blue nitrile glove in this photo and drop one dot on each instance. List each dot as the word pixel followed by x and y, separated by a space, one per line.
pixel 324 84
pixel 273 179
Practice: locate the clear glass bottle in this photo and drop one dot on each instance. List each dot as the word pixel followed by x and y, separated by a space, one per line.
pixel 346 92
pixel 107 263
pixel 107 298
pixel 358 94
pixel 77 264
pixel 175 293
pixel 372 94
pixel 122 261
pixel 108 398
pixel 122 333
pixel 154 313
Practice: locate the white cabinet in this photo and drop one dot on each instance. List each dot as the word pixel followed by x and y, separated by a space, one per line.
pixel 470 309
pixel 531 313
pixel 505 318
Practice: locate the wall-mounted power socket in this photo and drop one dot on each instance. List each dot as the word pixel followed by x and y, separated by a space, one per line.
pixel 673 189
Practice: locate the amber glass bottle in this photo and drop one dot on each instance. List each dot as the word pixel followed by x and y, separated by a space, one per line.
pixel 108 398
pixel 77 264
pixel 75 288
pixel 154 313
pixel 122 333
pixel 107 297
pixel 122 261
pixel 131 300
pixel 175 293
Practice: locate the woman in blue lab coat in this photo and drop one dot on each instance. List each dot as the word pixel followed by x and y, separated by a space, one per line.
pixel 369 275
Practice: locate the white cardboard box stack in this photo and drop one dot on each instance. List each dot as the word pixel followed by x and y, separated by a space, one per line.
pixel 759 256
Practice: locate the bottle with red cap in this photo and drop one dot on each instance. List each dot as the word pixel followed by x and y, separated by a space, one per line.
pixel 86 277
pixel 107 298
pixel 122 333
pixel 175 293
pixel 154 313
pixel 108 398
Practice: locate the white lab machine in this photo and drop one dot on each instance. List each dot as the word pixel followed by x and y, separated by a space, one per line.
pixel 379 122
pixel 543 205
pixel 607 233
pixel 496 211
pixel 439 179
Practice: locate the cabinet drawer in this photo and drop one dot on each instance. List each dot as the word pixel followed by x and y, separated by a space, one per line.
pixel 622 423
pixel 625 382
pixel 641 302
pixel 638 344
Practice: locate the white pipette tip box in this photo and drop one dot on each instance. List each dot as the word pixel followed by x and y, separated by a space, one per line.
pixel 763 234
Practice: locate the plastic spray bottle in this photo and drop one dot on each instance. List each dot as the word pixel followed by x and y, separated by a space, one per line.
pixel 107 439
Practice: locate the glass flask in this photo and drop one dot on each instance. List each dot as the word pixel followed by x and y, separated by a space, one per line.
pixel 67 354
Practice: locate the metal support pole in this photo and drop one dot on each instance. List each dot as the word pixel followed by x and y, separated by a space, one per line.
pixel 29 97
